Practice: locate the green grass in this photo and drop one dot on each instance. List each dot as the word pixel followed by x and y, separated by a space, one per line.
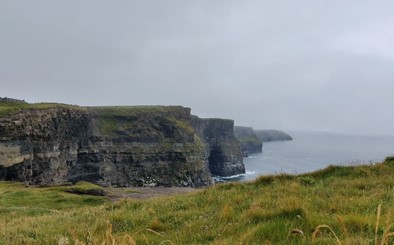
pixel 83 188
pixel 163 124
pixel 14 195
pixel 10 108
pixel 110 111
pixel 286 209
pixel 249 140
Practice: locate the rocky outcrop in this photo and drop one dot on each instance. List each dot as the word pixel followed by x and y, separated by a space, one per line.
pixel 248 140
pixel 272 135
pixel 222 149
pixel 120 146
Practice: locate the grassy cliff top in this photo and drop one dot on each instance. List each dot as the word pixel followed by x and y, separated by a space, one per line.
pixel 272 135
pixel 135 110
pixel 249 140
pixel 337 205
pixel 12 107
pixel 160 122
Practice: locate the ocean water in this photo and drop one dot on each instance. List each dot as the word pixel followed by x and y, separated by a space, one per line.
pixel 310 151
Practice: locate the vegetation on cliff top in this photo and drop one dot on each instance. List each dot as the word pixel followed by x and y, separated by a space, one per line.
pixel 249 141
pixel 111 111
pixel 140 120
pixel 13 106
pixel 337 205
pixel 164 123
pixel 272 135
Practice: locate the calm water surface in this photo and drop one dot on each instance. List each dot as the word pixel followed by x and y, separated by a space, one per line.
pixel 312 151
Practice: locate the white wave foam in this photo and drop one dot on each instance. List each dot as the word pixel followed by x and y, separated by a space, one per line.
pixel 233 177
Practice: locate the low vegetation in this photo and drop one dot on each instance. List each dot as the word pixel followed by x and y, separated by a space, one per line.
pixel 12 107
pixel 111 111
pixel 337 205
pixel 245 140
pixel 156 121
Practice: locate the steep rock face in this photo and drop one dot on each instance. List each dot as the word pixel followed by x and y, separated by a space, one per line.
pixel 39 146
pixel 248 140
pixel 121 146
pixel 222 149
pixel 272 135
pixel 142 146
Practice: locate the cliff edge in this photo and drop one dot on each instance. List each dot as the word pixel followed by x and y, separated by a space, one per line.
pixel 272 135
pixel 119 146
pixel 222 149
pixel 249 142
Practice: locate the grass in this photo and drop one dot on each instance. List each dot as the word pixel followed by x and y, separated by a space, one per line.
pixel 250 142
pixel 143 120
pixel 134 110
pixel 10 108
pixel 15 196
pixel 337 205
pixel 244 140
pixel 83 188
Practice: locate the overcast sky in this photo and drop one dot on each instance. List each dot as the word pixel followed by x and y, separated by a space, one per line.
pixel 305 65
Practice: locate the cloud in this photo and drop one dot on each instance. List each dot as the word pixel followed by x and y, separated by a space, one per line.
pixel 309 65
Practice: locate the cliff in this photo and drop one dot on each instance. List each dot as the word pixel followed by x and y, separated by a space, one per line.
pixel 120 146
pixel 272 135
pixel 248 140
pixel 221 147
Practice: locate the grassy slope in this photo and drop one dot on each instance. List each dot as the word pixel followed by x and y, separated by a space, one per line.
pixel 345 198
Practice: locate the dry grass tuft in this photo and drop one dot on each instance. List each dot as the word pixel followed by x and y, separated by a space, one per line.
pixel 387 234
pixel 156 225
pixel 227 212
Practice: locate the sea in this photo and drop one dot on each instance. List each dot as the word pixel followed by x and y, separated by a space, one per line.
pixel 311 151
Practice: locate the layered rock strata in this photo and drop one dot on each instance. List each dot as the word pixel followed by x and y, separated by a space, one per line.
pixel 248 140
pixel 119 146
pixel 222 149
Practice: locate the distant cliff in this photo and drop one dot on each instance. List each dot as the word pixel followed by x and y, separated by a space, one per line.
pixel 120 146
pixel 221 147
pixel 272 135
pixel 249 142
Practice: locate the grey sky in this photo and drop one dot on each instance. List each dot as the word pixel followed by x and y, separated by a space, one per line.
pixel 308 65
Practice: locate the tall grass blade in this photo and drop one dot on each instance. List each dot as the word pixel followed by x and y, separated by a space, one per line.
pixel 377 223
pixel 129 239
pixel 314 235
pixel 166 241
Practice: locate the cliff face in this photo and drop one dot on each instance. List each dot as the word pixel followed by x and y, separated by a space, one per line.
pixel 248 140
pixel 222 149
pixel 120 146
pixel 39 146
pixel 272 135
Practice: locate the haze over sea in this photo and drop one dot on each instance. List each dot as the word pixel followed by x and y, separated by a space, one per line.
pixel 310 151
